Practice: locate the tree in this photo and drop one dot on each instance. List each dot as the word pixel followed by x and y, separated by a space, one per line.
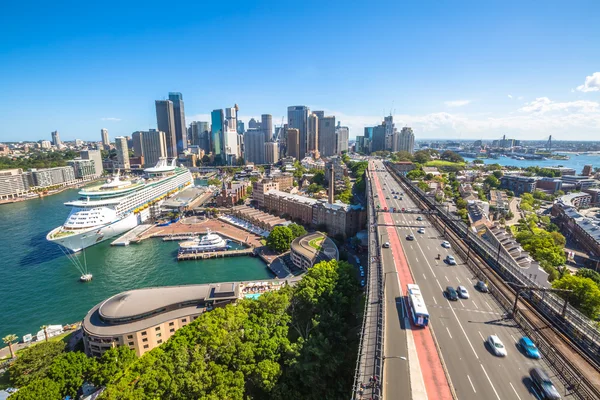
pixel 451 156
pixel 280 239
pixel 297 230
pixel 422 156
pixel 492 181
pixel 498 174
pixel 589 273
pixel 70 370
pixel 41 389
pixel 8 340
pixel 423 186
pixel 415 174
pixel 45 329
pixel 478 161
pixel 319 177
pixel 214 182
pixel 314 188
pixel 33 362
pixel 585 295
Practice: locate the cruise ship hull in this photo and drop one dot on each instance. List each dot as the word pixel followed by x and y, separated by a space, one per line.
pixel 79 241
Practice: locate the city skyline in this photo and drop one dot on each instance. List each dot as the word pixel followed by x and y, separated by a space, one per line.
pixel 460 71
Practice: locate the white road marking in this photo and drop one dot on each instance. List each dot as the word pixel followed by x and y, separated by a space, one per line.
pixel 475 304
pixel 458 279
pixel 416 259
pixel 488 304
pixel 446 278
pixel 514 390
pixel 428 248
pixel 481 336
pixel 471 382
pixel 449 332
pixel 434 300
pixel 513 338
pixel 424 277
pixel 490 381
pixel 440 286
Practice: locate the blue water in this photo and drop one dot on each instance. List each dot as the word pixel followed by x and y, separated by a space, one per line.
pixel 576 162
pixel 40 286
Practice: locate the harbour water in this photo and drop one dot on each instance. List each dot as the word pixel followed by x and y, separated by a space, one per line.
pixel 40 286
pixel 575 161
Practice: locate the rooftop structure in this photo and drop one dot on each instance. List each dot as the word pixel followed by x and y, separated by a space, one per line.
pixel 312 248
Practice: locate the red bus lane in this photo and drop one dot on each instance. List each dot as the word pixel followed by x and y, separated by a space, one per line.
pixel 436 384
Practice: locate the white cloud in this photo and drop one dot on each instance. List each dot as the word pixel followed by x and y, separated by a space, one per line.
pixel 592 83
pixel 113 119
pixel 457 103
pixel 520 98
pixel 544 105
pixel 510 96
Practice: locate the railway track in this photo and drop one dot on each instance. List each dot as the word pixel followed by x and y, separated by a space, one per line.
pixel 580 373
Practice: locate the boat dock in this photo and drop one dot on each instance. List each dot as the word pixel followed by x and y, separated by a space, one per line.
pixel 214 254
pixel 177 238
pixel 125 239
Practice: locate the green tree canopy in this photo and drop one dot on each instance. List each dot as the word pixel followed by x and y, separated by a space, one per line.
pixel 585 295
pixel 589 273
pixel 33 362
pixel 44 388
pixel 492 181
pixel 280 239
pixel 297 230
pixel 451 156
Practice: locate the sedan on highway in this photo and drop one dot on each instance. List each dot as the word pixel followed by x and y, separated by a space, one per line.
pixel 529 348
pixel 410 237
pixel 496 346
pixel 386 245
pixel 419 218
pixel 542 382
pixel 481 286
pixel 446 244
pixel 421 230
pixel 463 293
pixel 450 293
pixel 450 260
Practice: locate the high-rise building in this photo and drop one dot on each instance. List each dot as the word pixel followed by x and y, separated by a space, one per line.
pixel 230 135
pixel 319 114
pixel 341 133
pixel 45 144
pixel 266 125
pixel 241 128
pixel 56 139
pixel 105 140
pixel 200 135
pixel 378 139
pixel 252 124
pixel 138 144
pixel 407 140
pixel 327 137
pixel 165 121
pixel 298 119
pixel 122 152
pixel 154 146
pixel 587 170
pixel 96 157
pixel 313 133
pixel 391 137
pixel 271 153
pixel 217 120
pixel 179 121
pixel 293 143
pixel 254 146
pixel 359 146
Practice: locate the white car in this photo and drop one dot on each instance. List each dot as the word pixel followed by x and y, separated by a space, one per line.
pixel 463 293
pixel 446 244
pixel 450 260
pixel 496 346
pixel 421 230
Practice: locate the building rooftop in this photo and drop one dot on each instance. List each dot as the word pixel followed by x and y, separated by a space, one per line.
pixel 308 247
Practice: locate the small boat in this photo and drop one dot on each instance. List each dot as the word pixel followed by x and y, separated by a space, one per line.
pixel 208 242
pixel 86 278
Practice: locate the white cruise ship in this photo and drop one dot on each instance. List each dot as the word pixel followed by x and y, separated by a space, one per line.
pixel 208 242
pixel 112 208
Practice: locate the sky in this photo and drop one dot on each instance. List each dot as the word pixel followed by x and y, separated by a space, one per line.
pixel 449 69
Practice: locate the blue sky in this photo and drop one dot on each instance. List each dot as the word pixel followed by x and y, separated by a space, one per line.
pixel 473 69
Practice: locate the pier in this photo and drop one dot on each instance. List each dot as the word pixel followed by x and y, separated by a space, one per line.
pixel 214 254
pixel 131 235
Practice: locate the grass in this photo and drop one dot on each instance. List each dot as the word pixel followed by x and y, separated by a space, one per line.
pixel 316 243
pixel 263 242
pixel 442 163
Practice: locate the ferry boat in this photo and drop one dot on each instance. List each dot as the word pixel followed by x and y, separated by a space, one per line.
pixel 208 242
pixel 110 209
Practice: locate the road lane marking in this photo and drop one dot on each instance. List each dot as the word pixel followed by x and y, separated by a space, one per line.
pixel 424 277
pixel 480 335
pixel 440 286
pixel 488 304
pixel 446 278
pixel 471 382
pixel 434 300
pixel 449 332
pixel 458 279
pixel 514 390
pixel 416 259
pixel 513 338
pixel 475 304
pixel 428 248
pixel 490 381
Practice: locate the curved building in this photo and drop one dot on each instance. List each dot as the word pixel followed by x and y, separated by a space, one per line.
pixel 312 248
pixel 144 318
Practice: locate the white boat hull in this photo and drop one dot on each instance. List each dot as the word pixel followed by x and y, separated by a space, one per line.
pixel 90 237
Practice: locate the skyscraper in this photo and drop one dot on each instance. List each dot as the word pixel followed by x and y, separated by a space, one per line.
pixel 231 136
pixel 390 134
pixel 96 157
pixel 56 139
pixel 241 128
pixel 327 137
pixel 312 133
pixel 138 146
pixel 407 140
pixel 200 135
pixel 298 119
pixel 266 125
pixel 154 146
pixel 254 146
pixel 217 119
pixel 122 152
pixel 378 139
pixel 341 133
pixel 271 153
pixel 293 143
pixel 252 124
pixel 105 140
pixel 165 121
pixel 179 121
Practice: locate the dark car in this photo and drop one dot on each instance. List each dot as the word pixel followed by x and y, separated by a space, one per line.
pixel 542 382
pixel 410 237
pixel 450 293
pixel 481 286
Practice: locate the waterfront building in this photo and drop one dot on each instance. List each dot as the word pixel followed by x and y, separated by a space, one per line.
pixel 580 182
pixel 406 140
pixel 587 170
pixel 577 200
pixel 327 135
pixel 122 152
pixel 312 248
pixel 165 121
pixel 231 193
pixel 298 119
pixel 341 134
pixel 143 319
pixel 96 157
pixel 153 145
pixel 83 169
pixel 518 184
pixel 312 135
pixel 293 143
pixel 105 140
pixel 595 193
pixel 259 188
pixel 13 183
pixel 56 139
pixel 266 125
pixel 52 176
pixel 254 146
pixel 179 121
pixel 271 153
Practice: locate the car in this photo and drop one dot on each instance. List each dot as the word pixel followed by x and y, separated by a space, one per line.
pixel 395 197
pixel 419 218
pixel 450 293
pixel 450 260
pixel 362 283
pixel 529 348
pixel 401 198
pixel 362 274
pixel 387 198
pixel 496 346
pixel 386 245
pixel 410 237
pixel 421 230
pixel 446 244
pixel 482 287
pixel 463 293
pixel 542 382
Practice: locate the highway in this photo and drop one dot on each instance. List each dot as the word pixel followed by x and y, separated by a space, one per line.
pixel 460 327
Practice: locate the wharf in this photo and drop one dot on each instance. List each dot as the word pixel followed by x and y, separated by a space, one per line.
pixel 214 254
pixel 131 235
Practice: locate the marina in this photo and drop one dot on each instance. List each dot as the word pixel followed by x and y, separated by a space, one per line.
pixel 214 254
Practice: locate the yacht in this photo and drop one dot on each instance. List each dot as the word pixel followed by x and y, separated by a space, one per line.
pixel 209 242
pixel 118 205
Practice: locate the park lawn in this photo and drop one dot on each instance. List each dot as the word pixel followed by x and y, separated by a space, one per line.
pixel 443 163
pixel 316 243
